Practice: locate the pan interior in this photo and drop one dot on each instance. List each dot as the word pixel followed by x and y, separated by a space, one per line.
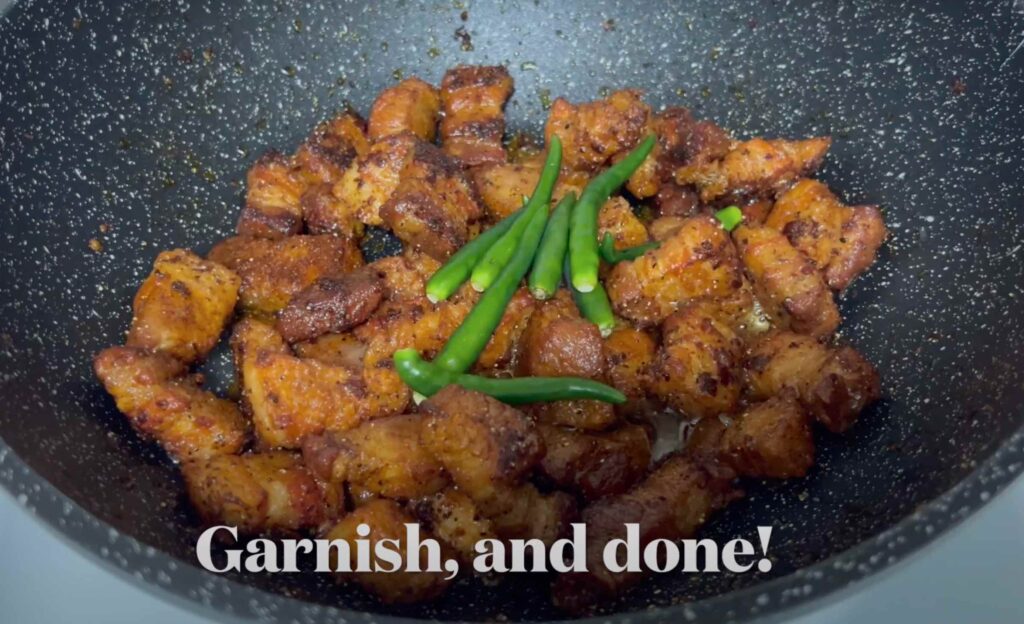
pixel 134 123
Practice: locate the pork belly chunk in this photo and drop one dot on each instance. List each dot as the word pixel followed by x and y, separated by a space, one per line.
pixel 412 106
pixel 473 100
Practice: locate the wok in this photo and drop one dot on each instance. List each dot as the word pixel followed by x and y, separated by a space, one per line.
pixel 133 124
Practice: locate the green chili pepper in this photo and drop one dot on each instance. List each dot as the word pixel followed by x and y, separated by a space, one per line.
pixel 495 258
pixel 583 253
pixel 469 340
pixel 730 217
pixel 547 264
pixel 594 305
pixel 449 277
pixel 427 379
pixel 610 255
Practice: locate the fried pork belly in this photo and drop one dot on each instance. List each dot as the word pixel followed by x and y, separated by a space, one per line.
pixel 332 147
pixel 840 239
pixel 163 404
pixel 834 384
pixel 273 198
pixel 595 465
pixel 331 305
pixel 473 100
pixel 787 283
pixel 273 271
pixel 671 503
pixel 257 492
pixel 410 106
pixel 758 166
pixel 523 512
pixel 345 349
pixel 768 440
pixel 616 218
pixel 183 306
pixel 454 519
pixel 386 519
pixel 502 348
pixel 594 132
pixel 434 205
pixel 484 445
pixel 698 368
pixel 697 260
pixel 503 186
pixel 290 398
pixel 629 357
pixel 382 457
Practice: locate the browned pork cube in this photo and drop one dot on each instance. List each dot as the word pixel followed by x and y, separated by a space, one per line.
pixel 473 99
pixel 595 464
pixel 410 106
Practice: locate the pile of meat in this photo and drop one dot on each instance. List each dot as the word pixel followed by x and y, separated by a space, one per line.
pixel 732 332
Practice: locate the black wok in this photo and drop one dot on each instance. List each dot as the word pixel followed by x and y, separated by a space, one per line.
pixel 142 118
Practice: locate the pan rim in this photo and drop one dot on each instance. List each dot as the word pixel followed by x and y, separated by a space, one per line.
pixel 804 590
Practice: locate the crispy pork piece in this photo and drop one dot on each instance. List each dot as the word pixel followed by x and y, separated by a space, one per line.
pixel 273 206
pixel 523 512
pixel 386 520
pixel 842 240
pixel 671 503
pixel 345 349
pixel 769 440
pixel 257 492
pixel 616 218
pixel 629 356
pixel 595 465
pixel 331 148
pixel 697 260
pixel 162 404
pixel 583 415
pixel 503 186
pixel 331 305
pixel 698 369
pixel 484 444
pixel 183 306
pixel 290 398
pixel 754 167
pixel 273 271
pixel 560 343
pixel 834 384
pixel 473 100
pixel 382 457
pixel 594 132
pixel 455 519
pixel 501 349
pixel 433 205
pixel 410 106
pixel 787 283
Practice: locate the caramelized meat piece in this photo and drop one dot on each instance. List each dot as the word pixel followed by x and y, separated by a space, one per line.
pixel 473 99
pixel 757 166
pixel 769 440
pixel 410 106
pixel 273 271
pixel 386 520
pixel 187 421
pixel 673 200
pixel 290 398
pixel 364 187
pixel 616 218
pixel 523 512
pixel 502 347
pixel 345 350
pixel 382 457
pixel 834 384
pixel 583 415
pixel 593 132
pixel 503 186
pixel 257 492
pixel 482 443
pixel 454 518
pixel 183 306
pixel 273 206
pixel 331 304
pixel 559 343
pixel 433 205
pixel 332 147
pixel 697 371
pixel 787 283
pixel 595 465
pixel 671 503
pixel 629 356
pixel 698 260
pixel 842 240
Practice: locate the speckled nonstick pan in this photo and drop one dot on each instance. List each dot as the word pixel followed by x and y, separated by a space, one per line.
pixel 133 124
